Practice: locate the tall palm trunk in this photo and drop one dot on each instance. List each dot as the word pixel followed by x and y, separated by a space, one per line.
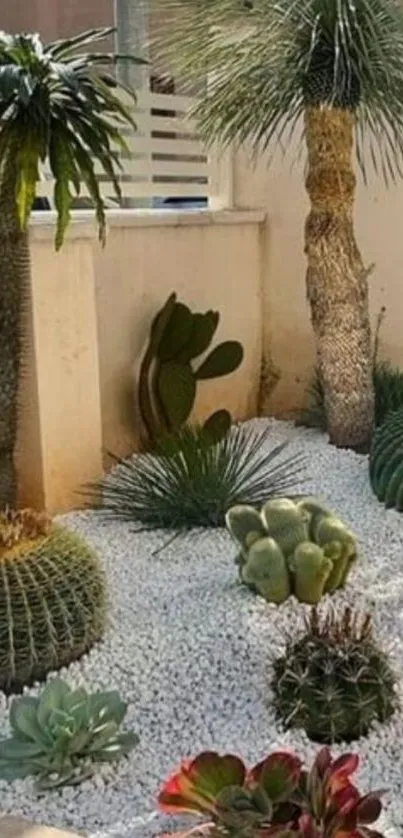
pixel 14 279
pixel 337 282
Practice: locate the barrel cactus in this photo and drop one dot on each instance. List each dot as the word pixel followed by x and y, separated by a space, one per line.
pixel 168 376
pixel 333 680
pixel 52 598
pixel 386 461
pixel 291 547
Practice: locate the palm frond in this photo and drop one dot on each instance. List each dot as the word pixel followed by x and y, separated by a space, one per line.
pixel 60 104
pixel 191 483
pixel 267 60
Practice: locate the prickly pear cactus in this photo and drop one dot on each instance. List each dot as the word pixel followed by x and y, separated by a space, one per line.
pixel 386 461
pixel 291 547
pixel 52 598
pixel 168 374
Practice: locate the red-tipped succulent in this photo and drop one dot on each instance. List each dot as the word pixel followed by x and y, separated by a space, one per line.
pixel 276 798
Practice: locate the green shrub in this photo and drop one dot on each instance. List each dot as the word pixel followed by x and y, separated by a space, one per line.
pixel 388 386
pixel 52 598
pixel 168 376
pixel 333 681
pixel 292 547
pixel 191 482
pixel 60 736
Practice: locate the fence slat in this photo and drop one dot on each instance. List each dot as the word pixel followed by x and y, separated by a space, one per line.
pixel 175 165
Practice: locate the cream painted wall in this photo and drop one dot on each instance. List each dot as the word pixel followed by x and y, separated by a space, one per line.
pixel 278 190
pixel 87 322
pixel 211 261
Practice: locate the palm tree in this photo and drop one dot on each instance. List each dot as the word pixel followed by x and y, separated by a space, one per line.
pixel 334 68
pixel 57 104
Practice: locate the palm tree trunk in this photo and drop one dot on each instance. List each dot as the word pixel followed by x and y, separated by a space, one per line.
pixel 337 281
pixel 14 279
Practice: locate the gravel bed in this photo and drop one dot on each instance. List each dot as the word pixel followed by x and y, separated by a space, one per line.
pixel 190 650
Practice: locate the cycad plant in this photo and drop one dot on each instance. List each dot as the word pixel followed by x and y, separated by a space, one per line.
pixel 58 103
pixel 334 68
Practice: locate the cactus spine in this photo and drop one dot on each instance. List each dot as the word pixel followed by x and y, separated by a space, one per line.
pixel 313 548
pixel 52 599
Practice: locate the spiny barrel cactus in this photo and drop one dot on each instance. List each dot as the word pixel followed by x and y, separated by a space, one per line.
pixel 333 681
pixel 386 461
pixel 52 598
pixel 168 378
pixel 292 547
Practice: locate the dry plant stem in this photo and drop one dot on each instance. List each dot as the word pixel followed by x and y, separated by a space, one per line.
pixel 337 281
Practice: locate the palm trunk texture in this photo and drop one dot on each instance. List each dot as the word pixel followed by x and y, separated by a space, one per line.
pixel 14 279
pixel 337 281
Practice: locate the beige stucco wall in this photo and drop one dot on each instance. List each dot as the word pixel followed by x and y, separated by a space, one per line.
pixel 88 321
pixel 279 190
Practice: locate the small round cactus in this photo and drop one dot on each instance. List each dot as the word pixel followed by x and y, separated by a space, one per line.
pixel 266 571
pixel 333 681
pixel 52 598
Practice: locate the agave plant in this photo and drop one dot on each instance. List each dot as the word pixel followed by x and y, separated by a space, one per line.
pixel 59 736
pixel 191 482
pixel 277 797
pixel 57 104
pixel 333 68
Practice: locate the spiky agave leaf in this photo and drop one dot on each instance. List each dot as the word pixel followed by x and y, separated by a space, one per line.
pixel 192 483
pixel 268 60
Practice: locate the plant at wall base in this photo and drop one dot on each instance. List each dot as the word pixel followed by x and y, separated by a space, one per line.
pixel 168 378
pixel 335 69
pixel 277 798
pixel 192 482
pixel 52 598
pixel 333 681
pixel 386 461
pixel 57 104
pixel 291 547
pixel 59 737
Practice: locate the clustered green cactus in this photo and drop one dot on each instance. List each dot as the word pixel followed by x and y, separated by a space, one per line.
pixel 59 736
pixel 292 547
pixel 333 681
pixel 52 598
pixel 386 461
pixel 168 380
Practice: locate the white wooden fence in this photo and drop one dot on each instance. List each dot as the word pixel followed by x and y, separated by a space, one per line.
pixel 166 159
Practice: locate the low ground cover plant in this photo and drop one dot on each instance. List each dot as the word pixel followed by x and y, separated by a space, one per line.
pixel 277 798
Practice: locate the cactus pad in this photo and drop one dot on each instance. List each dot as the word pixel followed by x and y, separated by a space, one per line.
pixel 386 461
pixel 52 599
pixel 333 681
pixel 168 376
pixel 317 548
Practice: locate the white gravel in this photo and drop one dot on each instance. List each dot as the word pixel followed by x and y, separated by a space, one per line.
pixel 190 650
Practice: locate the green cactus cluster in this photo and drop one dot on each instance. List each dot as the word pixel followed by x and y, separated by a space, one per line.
pixel 386 461
pixel 333 681
pixel 168 376
pixel 290 547
pixel 52 599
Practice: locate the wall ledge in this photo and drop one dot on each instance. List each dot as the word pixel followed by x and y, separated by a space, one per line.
pixel 42 225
